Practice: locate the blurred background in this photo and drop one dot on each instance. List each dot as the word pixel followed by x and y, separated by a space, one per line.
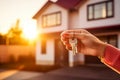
pixel 30 37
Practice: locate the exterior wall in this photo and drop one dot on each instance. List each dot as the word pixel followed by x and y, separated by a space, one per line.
pixel 51 9
pixel 78 59
pixel 98 23
pixel 6 51
pixel 75 59
pixel 119 40
pixel 80 21
pixel 73 19
pixel 48 58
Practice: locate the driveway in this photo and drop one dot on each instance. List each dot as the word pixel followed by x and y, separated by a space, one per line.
pixel 81 73
pixel 88 72
pixel 17 75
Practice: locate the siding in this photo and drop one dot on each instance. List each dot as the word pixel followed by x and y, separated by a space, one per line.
pixel 51 9
pixel 47 58
pixel 98 23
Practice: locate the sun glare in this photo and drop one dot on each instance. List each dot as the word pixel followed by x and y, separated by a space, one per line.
pixel 29 29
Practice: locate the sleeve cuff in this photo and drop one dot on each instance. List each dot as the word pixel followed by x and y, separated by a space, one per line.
pixel 112 58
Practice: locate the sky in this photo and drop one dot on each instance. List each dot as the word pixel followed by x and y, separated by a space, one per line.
pixel 11 10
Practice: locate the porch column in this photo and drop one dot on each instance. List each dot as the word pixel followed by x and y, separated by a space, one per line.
pixel 71 59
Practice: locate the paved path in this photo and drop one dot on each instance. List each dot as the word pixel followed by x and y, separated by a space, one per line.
pixel 17 75
pixel 81 73
pixel 67 73
pixel 5 74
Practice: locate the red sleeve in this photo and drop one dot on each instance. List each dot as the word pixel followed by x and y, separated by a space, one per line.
pixel 112 58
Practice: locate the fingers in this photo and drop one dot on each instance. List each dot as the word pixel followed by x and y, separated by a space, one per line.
pixel 80 34
pixel 72 33
pixel 76 31
pixel 68 47
pixel 69 33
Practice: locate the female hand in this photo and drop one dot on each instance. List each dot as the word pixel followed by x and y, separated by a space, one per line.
pixel 88 44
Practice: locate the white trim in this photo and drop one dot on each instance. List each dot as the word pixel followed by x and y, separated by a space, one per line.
pixel 71 59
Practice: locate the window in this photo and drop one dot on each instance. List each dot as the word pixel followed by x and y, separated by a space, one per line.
pixel 43 47
pixel 50 20
pixel 111 39
pixel 100 10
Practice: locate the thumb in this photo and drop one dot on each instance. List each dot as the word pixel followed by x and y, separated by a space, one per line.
pixel 80 35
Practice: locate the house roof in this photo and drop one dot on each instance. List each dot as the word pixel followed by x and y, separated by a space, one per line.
pixel 67 4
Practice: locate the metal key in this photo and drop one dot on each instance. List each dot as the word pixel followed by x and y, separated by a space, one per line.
pixel 73 43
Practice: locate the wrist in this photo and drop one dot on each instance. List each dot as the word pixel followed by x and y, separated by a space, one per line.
pixel 102 47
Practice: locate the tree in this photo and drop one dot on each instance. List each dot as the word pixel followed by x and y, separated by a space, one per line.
pixel 2 39
pixel 14 34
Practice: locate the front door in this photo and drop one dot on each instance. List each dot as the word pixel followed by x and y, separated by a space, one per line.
pixel 92 60
pixel 61 54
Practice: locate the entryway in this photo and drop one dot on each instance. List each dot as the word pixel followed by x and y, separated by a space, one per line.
pixel 61 54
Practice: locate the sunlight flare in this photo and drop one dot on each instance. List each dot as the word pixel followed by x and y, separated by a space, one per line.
pixel 29 29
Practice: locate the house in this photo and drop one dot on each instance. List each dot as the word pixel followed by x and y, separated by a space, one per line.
pixel 100 17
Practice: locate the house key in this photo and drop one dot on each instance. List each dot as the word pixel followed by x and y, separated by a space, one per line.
pixel 73 43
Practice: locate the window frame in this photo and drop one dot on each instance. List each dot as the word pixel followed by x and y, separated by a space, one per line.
pixel 43 46
pixel 106 9
pixel 108 38
pixel 48 15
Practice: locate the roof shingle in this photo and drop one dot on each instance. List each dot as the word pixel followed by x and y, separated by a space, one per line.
pixel 68 4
